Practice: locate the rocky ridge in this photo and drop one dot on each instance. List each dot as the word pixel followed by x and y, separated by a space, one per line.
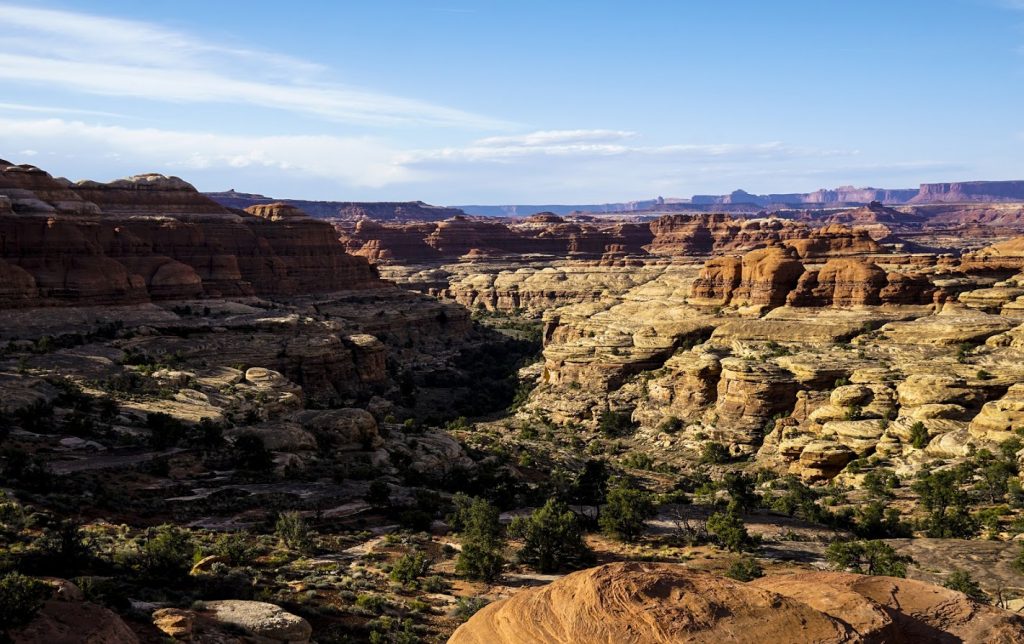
pixel 151 237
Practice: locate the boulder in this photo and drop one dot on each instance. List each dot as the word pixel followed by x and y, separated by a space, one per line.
pixel 265 623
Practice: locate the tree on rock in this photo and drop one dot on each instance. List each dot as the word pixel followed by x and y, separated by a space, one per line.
pixel 867 558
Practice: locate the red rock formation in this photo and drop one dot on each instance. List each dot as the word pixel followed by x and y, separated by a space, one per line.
pixel 840 282
pixel 768 275
pixel 1004 256
pixel 717 281
pixel 834 240
pixel 156 237
pixel 773 276
pixel 719 233
pixel 670 603
pixel 461 236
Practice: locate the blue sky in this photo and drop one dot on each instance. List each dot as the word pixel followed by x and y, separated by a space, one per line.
pixel 455 101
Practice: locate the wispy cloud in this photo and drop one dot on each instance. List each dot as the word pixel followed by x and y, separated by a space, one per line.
pixel 600 143
pixel 115 57
pixel 556 163
pixel 353 161
pixel 44 109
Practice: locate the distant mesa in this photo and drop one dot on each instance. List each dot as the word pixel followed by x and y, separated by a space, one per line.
pixel 381 210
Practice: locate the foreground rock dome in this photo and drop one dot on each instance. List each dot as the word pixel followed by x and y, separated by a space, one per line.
pixel 661 603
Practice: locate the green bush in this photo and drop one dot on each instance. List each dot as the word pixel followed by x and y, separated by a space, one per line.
pixel 670 425
pixel 466 607
pixel 729 530
pixel 483 544
pixel 552 539
pixel 168 552
pixel 712 453
pixel 293 532
pixel 251 454
pixel 918 435
pixel 961 581
pixel 745 569
pixel 410 567
pixel 625 512
pixel 21 598
pixel 867 558
pixel 615 424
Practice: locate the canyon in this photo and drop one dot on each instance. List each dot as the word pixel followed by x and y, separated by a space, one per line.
pixel 309 399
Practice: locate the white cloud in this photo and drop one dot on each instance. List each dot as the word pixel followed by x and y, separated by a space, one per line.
pixel 598 143
pixel 555 137
pixel 114 57
pixel 42 109
pixel 356 161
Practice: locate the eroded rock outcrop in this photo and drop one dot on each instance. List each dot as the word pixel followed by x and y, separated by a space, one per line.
pixel 155 237
pixel 655 603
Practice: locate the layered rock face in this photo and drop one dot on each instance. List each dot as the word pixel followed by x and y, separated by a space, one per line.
pixel 719 233
pixel 378 210
pixel 461 236
pixel 775 276
pixel 154 237
pixel 1003 256
pixel 970 191
pixel 662 603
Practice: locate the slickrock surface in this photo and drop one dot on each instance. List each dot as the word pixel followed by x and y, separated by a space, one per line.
pixel 655 603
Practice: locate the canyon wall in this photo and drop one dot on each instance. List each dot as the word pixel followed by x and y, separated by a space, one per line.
pixel 154 237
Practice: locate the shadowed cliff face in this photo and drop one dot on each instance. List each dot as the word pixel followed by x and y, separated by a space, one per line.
pixel 152 237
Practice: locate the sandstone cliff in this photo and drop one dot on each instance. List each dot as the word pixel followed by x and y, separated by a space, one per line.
pixel 155 237
pixel 662 603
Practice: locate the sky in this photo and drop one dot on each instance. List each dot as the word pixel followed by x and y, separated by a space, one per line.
pixel 518 101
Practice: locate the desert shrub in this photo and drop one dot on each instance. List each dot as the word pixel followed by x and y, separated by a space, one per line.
pixel 294 532
pixel 391 630
pixel 939 493
pixel 638 461
pixel 918 435
pixel 466 607
pixel 167 552
pixel 625 512
pixel 165 430
pixel 379 494
pixel 373 603
pixel 235 547
pixel 712 453
pixel 745 569
pixel 21 598
pixel 552 539
pixel 410 567
pixel 867 558
pixel 876 521
pixel 729 531
pixel 879 483
pixel 961 581
pixel 614 424
pixel 670 425
pixel 740 488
